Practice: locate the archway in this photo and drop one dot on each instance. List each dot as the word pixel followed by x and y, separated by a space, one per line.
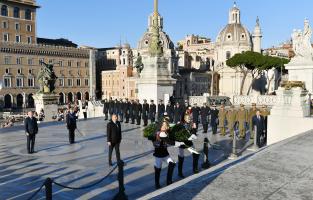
pixel 70 97
pixel 61 98
pixel 7 101
pixel 87 96
pixel 79 96
pixel 19 101
pixel 31 102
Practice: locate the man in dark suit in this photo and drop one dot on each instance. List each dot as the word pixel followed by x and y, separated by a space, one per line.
pixel 126 110
pixel 114 138
pixel 214 119
pixel 259 123
pixel 132 113
pixel 161 109
pixel 152 111
pixel 195 114
pixel 178 113
pixel 138 111
pixel 105 109
pixel 145 112
pixel 111 106
pixel 71 118
pixel 170 111
pixel 205 112
pixel 31 129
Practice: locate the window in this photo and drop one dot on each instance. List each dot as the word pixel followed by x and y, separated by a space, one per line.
pixel 17 38
pixel 19 71
pixel 5 25
pixel 50 61
pixel 78 82
pixel 243 36
pixel 31 82
pixel 7 82
pixel 228 55
pixel 7 60
pixel 17 26
pixel 18 61
pixel 86 64
pixel 30 61
pixel 4 10
pixel 61 63
pixel 30 71
pixel 16 13
pixel 124 61
pixel 69 82
pixel 5 37
pixel 41 61
pixel 7 70
pixel 19 82
pixel 28 14
pixel 61 82
pixel 69 63
pixel 78 64
pixel 29 28
pixel 87 82
pixel 29 40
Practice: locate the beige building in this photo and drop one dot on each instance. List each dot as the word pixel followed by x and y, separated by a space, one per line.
pixel 21 59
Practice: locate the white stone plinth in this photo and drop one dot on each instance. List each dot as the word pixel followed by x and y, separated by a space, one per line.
pixel 47 102
pixel 155 80
pixel 301 72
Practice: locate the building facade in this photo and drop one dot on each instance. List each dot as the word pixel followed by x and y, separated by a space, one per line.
pixel 21 59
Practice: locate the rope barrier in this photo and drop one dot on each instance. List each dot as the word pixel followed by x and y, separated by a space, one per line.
pixel 35 193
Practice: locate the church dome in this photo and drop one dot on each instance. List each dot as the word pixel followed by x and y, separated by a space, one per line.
pixel 234 33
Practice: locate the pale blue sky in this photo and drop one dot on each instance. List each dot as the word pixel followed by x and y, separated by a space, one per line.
pixel 102 23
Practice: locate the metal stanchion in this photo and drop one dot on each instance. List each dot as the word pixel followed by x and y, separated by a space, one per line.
pixel 234 155
pixel 206 164
pixel 121 194
pixel 48 186
pixel 255 145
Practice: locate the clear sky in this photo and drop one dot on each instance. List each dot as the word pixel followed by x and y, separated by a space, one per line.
pixel 103 23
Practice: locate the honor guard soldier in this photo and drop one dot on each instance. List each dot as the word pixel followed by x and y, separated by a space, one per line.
pixel 71 125
pixel 242 118
pixel 231 117
pixel 222 119
pixel 106 109
pixel 111 107
pixel 214 119
pixel 251 114
pixel 205 112
pixel 170 111
pixel 161 109
pixel 138 111
pixel 120 110
pixel 145 112
pixel 132 111
pixel 265 113
pixel 152 111
pixel 115 107
pixel 178 113
pixel 195 114
pixel 126 110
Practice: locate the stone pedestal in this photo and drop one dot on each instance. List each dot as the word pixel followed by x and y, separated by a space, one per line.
pixel 289 115
pixel 301 72
pixel 155 80
pixel 47 102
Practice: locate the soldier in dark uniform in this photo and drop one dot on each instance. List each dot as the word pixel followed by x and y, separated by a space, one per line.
pixel 145 112
pixel 131 111
pixel 106 109
pixel 115 107
pixel 120 110
pixel 138 112
pixel 195 114
pixel 111 107
pixel 152 111
pixel 161 109
pixel 214 119
pixel 170 111
pixel 205 112
pixel 126 110
pixel 31 129
pixel 178 112
pixel 71 125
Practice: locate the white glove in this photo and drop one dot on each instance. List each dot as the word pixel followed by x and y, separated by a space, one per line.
pixel 192 137
pixel 178 144
pixel 163 135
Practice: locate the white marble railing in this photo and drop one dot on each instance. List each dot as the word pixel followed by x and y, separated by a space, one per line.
pixel 268 100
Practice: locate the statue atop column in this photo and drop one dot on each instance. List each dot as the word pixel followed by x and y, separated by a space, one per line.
pixel 155 47
pixel 302 44
pixel 46 79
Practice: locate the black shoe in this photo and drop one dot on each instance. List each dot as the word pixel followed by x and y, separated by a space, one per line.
pixel 170 170
pixel 180 167
pixel 157 173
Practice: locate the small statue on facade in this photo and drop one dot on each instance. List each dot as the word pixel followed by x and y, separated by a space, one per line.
pixel 46 79
pixel 138 64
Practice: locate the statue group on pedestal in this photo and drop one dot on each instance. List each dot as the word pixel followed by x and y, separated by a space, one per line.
pixel 46 79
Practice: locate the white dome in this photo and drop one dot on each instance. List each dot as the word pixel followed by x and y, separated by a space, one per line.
pixel 234 34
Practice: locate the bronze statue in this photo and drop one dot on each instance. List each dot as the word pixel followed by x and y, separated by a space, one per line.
pixel 46 78
pixel 138 64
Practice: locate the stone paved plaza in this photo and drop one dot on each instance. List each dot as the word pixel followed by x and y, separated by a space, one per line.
pixel 86 161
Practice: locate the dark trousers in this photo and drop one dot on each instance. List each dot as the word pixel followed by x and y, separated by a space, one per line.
pixel 152 119
pixel 85 115
pixel 138 120
pixel 106 115
pixel 133 119
pixel 205 128
pixel 121 116
pixel 117 152
pixel 214 129
pixel 127 118
pixel 71 135
pixel 31 143
pixel 145 121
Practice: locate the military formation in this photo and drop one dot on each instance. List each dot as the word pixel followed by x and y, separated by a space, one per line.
pixel 225 119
